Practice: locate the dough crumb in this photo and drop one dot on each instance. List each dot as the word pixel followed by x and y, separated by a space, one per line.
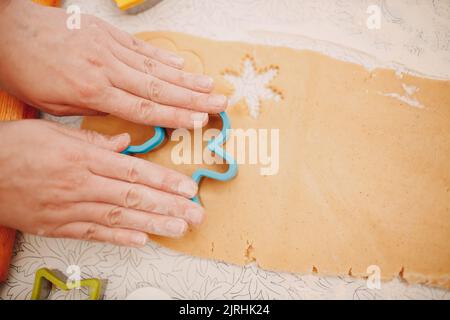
pixel 402 272
pixel 249 253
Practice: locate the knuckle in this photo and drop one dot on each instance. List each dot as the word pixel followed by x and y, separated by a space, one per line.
pixel 95 61
pixel 150 226
pixel 149 66
pixel 167 181
pixel 87 91
pixel 145 109
pixel 149 49
pixel 116 238
pixel 98 39
pixel 47 222
pixel 135 44
pixel 154 207
pixel 73 155
pixel 90 233
pixel 48 203
pixel 51 230
pixel 180 117
pixel 155 89
pixel 91 136
pixel 177 206
pixel 132 174
pixel 133 197
pixel 46 233
pixel 114 217
pixel 96 31
pixel 193 100
pixel 74 181
pixel 184 78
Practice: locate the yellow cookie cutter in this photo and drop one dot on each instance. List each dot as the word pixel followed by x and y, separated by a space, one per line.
pixel 45 279
pixel 135 6
pixel 127 4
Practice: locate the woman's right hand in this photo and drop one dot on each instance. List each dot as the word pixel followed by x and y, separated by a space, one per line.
pixel 97 69
pixel 69 183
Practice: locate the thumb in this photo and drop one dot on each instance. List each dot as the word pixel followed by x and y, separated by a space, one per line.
pixel 116 143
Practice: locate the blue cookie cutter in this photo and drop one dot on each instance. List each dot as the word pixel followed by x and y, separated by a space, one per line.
pixel 215 145
pixel 149 145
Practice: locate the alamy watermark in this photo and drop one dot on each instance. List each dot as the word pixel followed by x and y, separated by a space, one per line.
pixel 74 277
pixel 73 21
pixel 373 277
pixel 373 22
pixel 246 146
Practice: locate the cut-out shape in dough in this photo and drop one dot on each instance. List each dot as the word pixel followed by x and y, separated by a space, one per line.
pixel 252 85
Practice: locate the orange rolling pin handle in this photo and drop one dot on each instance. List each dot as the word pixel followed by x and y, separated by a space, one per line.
pixel 13 109
pixel 49 3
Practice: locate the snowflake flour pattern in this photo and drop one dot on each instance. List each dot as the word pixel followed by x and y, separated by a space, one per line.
pixel 252 85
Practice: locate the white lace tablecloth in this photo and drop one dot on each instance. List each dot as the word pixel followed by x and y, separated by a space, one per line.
pixel 414 35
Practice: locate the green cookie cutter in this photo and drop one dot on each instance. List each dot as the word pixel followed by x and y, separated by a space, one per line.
pixel 45 279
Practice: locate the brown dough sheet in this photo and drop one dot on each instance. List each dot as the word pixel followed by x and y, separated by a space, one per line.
pixel 364 179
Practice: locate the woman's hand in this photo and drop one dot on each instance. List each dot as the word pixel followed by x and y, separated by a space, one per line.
pixel 61 182
pixel 97 69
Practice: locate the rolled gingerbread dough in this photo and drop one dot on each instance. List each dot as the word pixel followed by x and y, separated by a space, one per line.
pixel 364 165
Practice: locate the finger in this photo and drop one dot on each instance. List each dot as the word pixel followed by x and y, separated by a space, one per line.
pixel 156 90
pixel 123 218
pixel 95 232
pixel 64 110
pixel 164 72
pixel 136 170
pixel 129 107
pixel 142 198
pixel 115 143
pixel 144 48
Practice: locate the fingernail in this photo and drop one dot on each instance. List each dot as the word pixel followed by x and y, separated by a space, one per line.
pixel 195 216
pixel 122 141
pixel 139 239
pixel 218 101
pixel 199 117
pixel 176 227
pixel 177 61
pixel 187 188
pixel 205 82
pixel 122 137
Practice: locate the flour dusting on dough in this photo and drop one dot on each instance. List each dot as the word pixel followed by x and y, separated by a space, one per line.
pixel 408 97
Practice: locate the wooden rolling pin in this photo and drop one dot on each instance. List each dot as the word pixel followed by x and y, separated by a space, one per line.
pixel 13 109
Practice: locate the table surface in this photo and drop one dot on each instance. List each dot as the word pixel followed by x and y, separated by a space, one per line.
pixel 414 36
